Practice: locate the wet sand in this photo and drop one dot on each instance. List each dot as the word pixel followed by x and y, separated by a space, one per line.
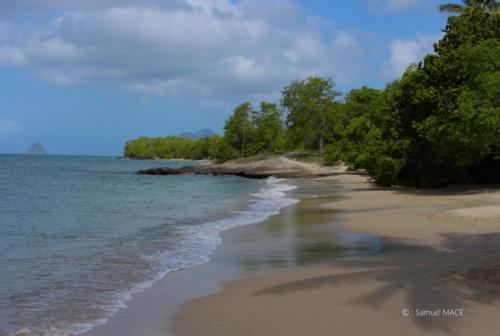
pixel 438 272
pixel 302 234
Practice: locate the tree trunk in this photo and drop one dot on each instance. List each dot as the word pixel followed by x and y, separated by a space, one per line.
pixel 243 144
pixel 321 144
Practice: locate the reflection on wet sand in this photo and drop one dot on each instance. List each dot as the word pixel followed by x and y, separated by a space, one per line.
pixel 300 235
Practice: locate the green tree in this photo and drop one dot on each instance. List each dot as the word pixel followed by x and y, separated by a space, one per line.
pixel 221 150
pixel 359 102
pixel 310 107
pixel 358 107
pixel 440 122
pixel 268 128
pixel 238 127
pixel 141 148
pixel 172 147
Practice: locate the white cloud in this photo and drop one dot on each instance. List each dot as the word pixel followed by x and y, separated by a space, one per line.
pixel 11 56
pixel 405 52
pixel 8 126
pixel 209 49
pixel 397 5
pixel 51 49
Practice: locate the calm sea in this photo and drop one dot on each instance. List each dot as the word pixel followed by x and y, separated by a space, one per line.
pixel 79 235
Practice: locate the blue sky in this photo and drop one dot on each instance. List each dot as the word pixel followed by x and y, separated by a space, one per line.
pixel 83 76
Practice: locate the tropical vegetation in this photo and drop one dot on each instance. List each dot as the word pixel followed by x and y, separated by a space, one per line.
pixel 437 124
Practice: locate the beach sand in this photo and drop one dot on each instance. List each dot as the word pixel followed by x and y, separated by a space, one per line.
pixel 301 234
pixel 438 272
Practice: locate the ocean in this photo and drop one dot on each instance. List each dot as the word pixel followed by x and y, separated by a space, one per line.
pixel 79 235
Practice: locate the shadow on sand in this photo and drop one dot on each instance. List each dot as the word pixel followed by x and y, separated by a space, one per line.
pixel 465 269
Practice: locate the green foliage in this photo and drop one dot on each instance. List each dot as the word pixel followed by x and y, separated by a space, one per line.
pixel 223 151
pixel 438 124
pixel 361 134
pixel 171 147
pixel 269 131
pixel 312 112
pixel 359 102
pixel 141 148
pixel 239 128
pixel 255 131
pixel 247 132
pixel 466 128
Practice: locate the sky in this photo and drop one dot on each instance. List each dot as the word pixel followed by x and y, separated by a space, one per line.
pixel 84 76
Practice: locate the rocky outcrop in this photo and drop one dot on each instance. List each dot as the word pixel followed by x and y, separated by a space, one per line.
pixel 258 168
pixel 205 170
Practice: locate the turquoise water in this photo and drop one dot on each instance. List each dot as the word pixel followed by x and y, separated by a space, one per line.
pixel 79 235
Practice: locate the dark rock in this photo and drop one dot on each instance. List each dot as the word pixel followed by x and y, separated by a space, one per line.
pixel 258 167
pixel 205 170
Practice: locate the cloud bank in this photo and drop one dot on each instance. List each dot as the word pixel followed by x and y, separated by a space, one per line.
pixel 211 50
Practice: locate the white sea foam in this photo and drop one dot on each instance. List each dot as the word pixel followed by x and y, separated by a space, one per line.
pixel 197 245
pixel 200 241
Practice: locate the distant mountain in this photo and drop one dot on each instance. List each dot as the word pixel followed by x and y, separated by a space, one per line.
pixel 36 149
pixel 203 133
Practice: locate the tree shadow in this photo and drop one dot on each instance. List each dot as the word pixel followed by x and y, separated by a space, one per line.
pixel 453 190
pixel 450 190
pixel 465 269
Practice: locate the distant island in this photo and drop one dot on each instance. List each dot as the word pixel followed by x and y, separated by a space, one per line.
pixel 203 133
pixel 37 149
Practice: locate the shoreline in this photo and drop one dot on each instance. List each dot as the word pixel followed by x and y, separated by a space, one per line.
pixel 248 250
pixel 258 167
pixel 438 255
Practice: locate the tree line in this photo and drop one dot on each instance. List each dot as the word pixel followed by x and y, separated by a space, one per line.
pixel 437 124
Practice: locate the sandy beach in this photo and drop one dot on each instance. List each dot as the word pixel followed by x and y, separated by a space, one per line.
pixel 299 235
pixel 437 272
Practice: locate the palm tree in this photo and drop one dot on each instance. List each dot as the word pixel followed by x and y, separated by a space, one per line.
pixel 489 6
